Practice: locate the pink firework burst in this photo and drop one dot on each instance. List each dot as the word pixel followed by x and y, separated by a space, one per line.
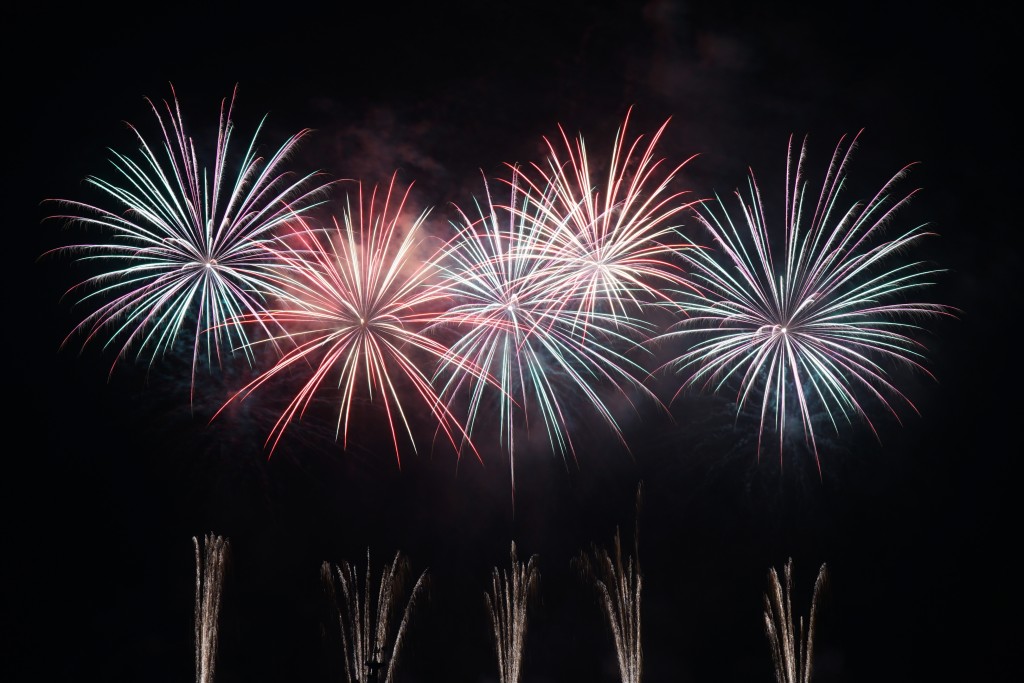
pixel 356 298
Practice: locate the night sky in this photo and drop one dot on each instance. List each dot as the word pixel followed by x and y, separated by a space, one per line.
pixel 109 476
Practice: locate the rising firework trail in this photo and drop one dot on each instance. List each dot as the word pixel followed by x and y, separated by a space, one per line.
pixel 808 330
pixel 353 303
pixel 182 241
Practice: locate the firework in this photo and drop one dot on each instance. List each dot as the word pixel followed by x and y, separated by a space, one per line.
pixel 619 584
pixel 792 643
pixel 508 603
pixel 510 318
pixel 611 244
pixel 808 330
pixel 354 303
pixel 211 564
pixel 371 642
pixel 183 242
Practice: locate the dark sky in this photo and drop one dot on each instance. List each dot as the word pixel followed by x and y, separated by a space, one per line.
pixel 109 478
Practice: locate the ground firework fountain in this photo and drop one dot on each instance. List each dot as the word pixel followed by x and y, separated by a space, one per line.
pixel 508 604
pixel 211 562
pixel 792 647
pixel 619 584
pixel 370 645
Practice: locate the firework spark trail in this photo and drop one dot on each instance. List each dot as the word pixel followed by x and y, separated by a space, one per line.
pixel 211 563
pixel 517 329
pixel 370 642
pixel 792 647
pixel 619 584
pixel 508 606
pixel 815 324
pixel 189 241
pixel 354 304
pixel 611 243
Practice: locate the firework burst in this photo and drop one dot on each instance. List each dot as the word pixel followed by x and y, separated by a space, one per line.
pixel 610 243
pixel 807 330
pixel 354 302
pixel 184 242
pixel 510 317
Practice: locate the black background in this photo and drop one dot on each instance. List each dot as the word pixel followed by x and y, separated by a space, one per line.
pixel 108 478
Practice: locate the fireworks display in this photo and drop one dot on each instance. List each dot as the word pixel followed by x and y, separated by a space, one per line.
pixel 534 303
pixel 467 273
